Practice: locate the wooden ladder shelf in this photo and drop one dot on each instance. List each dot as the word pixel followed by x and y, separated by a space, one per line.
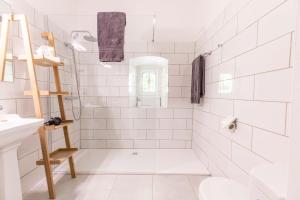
pixel 60 155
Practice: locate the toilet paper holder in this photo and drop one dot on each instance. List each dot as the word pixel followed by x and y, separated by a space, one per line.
pixel 230 123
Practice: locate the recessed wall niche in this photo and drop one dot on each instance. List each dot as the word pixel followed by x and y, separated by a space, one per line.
pixel 148 82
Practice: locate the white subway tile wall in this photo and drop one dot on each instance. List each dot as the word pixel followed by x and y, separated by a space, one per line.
pixel 108 120
pixel 13 100
pixel 249 76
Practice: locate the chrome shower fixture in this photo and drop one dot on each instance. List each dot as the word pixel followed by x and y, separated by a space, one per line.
pixel 77 42
pixel 89 37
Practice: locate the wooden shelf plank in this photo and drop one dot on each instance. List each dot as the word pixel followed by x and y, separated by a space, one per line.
pixel 47 93
pixel 63 124
pixel 59 156
pixel 42 61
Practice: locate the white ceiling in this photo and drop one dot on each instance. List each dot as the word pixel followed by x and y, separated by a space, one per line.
pixel 177 20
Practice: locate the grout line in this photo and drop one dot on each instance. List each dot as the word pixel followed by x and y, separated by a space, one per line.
pixel 291 49
pixel 253 126
pixel 112 187
pixel 252 135
pixel 286 119
pixel 250 150
pixel 191 185
pixel 152 187
pixel 257 33
pixel 254 86
pixel 255 100
pixel 264 15
pixel 258 46
pixel 216 149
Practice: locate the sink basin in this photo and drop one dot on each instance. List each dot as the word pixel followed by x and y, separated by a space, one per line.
pixel 13 129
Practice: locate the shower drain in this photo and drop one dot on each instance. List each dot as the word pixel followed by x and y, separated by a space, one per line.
pixel 135 153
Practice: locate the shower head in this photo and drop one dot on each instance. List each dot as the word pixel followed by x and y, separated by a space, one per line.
pixel 78 37
pixel 90 38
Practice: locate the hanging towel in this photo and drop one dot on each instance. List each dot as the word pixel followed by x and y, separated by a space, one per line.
pixel 198 80
pixel 111 31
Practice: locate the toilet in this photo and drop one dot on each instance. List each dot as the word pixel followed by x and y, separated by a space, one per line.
pixel 218 188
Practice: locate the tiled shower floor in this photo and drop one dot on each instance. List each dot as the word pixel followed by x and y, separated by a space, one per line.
pixel 122 175
pixel 147 161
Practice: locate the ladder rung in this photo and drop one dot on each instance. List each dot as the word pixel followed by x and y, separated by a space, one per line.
pixel 59 156
pixel 63 124
pixel 47 93
pixel 42 60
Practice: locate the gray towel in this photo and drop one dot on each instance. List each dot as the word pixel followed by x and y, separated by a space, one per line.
pixel 198 80
pixel 111 30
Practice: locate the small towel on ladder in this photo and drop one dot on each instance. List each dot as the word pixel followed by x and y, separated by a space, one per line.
pixel 198 80
pixel 111 32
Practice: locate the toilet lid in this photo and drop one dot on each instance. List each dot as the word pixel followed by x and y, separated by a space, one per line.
pixel 218 188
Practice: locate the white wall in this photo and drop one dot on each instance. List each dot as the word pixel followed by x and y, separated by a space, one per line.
pixel 257 57
pixel 294 175
pixel 112 123
pixel 177 20
pixel 258 52
pixel 14 101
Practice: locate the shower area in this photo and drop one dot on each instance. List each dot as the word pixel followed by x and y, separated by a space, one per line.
pixel 135 115
pixel 130 131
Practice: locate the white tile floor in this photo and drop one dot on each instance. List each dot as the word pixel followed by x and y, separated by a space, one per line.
pixel 121 187
pixel 148 161
pixel 107 174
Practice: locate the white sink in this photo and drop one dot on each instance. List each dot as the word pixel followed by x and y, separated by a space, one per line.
pixel 13 129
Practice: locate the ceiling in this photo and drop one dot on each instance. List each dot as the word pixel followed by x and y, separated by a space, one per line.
pixel 176 20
